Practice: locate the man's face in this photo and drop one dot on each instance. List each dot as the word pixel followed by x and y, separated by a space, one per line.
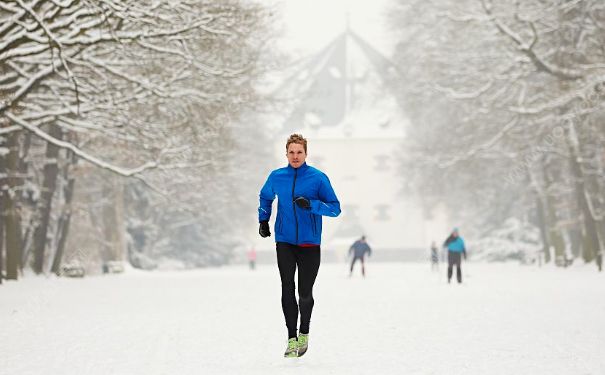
pixel 296 155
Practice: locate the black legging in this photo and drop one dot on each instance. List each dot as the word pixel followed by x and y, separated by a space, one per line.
pixel 307 259
pixel 454 258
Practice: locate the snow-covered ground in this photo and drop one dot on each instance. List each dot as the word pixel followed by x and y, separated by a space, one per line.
pixel 401 319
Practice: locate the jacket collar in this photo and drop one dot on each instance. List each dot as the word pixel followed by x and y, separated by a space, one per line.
pixel 302 168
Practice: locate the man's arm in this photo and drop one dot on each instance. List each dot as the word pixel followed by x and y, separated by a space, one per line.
pixel 447 241
pixel 327 204
pixel 463 248
pixel 266 197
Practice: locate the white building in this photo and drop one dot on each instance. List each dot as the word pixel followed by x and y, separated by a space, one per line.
pixel 341 102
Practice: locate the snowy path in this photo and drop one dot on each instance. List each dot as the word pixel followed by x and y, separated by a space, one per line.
pixel 402 319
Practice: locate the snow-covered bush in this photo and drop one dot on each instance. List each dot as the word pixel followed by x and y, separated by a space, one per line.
pixel 514 240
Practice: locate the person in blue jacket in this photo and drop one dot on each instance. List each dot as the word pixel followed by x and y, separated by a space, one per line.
pixel 455 250
pixel 304 195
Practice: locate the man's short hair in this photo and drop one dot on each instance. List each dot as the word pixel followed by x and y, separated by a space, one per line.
pixel 298 139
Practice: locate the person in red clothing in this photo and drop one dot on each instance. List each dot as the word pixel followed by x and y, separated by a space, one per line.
pixel 252 257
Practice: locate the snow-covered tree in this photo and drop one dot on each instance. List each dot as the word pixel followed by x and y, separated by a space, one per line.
pixel 506 100
pixel 146 90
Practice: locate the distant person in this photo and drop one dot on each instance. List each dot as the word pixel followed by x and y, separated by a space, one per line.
pixel 434 257
pixel 455 250
pixel 304 195
pixel 359 249
pixel 252 257
pixel 599 260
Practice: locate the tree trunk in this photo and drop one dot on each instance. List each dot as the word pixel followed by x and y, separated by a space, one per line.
pixel 592 241
pixel 120 243
pixel 555 237
pixel 12 229
pixel 1 242
pixel 49 186
pixel 543 228
pixel 113 220
pixel 28 199
pixel 575 237
pixel 550 216
pixel 3 182
pixel 65 219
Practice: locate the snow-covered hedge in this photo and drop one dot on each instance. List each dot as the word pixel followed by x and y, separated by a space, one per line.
pixel 514 240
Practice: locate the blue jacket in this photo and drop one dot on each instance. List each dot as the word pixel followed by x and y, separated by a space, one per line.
pixel 293 224
pixel 456 246
pixel 360 248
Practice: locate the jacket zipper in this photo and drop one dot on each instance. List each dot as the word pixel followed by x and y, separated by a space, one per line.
pixel 294 204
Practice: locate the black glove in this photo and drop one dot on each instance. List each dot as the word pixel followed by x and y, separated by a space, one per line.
pixel 263 229
pixel 303 202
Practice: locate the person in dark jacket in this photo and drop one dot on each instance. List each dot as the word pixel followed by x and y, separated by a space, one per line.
pixel 455 250
pixel 359 249
pixel 304 195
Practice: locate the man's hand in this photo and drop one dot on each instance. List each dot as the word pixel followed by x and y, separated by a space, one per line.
pixel 263 229
pixel 302 202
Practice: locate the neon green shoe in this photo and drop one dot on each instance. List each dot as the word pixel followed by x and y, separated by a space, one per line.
pixel 292 349
pixel 303 343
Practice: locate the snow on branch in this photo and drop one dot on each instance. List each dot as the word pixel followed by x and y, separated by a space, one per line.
pixel 57 44
pixel 453 94
pixel 560 101
pixel 134 172
pixel 9 129
pixel 464 17
pixel 100 36
pixel 190 59
pixel 527 49
pixel 485 146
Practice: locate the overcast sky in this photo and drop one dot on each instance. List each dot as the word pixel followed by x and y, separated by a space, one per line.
pixel 311 24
